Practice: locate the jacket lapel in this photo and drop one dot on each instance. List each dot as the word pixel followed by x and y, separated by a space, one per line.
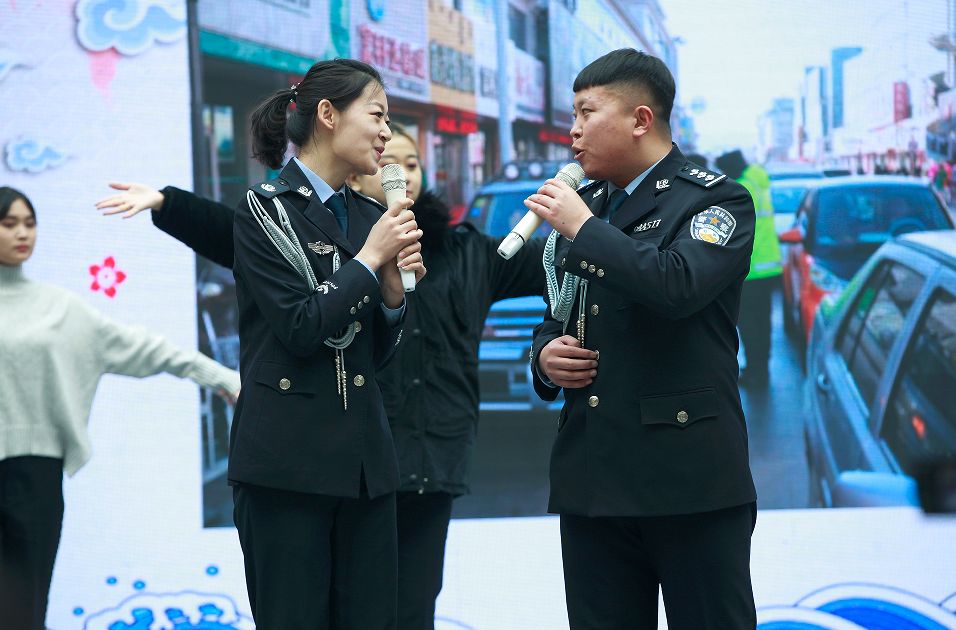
pixel 643 200
pixel 316 212
pixel 360 223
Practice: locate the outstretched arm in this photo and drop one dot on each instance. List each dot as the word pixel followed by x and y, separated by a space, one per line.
pixel 203 225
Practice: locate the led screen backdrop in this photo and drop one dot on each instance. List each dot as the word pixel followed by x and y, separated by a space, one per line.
pixel 100 90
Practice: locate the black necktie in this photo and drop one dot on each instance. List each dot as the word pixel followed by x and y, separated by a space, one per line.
pixel 613 203
pixel 336 203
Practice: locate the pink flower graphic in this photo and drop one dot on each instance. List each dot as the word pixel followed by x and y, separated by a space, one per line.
pixel 106 277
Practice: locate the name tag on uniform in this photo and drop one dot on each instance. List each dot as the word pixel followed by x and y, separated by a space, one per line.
pixel 648 225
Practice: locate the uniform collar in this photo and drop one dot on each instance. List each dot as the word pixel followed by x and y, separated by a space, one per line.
pixel 629 189
pixel 321 188
pixel 642 200
pixel 295 175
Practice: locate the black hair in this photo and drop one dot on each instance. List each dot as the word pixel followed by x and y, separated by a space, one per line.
pixel 8 196
pixel 732 164
pixel 273 124
pixel 636 69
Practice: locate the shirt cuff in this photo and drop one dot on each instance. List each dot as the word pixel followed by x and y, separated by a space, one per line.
pixel 393 315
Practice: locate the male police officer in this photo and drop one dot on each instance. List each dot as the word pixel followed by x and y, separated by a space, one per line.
pixel 649 470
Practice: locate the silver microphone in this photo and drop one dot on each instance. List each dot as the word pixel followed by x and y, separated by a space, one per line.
pixel 572 174
pixel 394 184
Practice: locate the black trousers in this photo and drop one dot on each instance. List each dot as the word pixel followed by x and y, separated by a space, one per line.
pixel 316 562
pixel 422 531
pixel 701 562
pixel 31 516
pixel 754 321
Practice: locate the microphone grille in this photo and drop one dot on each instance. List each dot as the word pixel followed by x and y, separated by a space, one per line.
pixel 393 177
pixel 572 174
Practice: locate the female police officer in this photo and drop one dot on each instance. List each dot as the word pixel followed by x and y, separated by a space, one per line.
pixel 311 456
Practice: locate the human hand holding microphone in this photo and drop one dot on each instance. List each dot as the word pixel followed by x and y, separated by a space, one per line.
pixel 394 184
pixel 571 174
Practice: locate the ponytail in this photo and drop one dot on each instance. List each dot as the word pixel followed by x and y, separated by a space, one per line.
pixel 274 124
pixel 268 126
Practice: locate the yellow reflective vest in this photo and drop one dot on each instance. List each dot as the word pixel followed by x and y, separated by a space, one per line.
pixel 765 260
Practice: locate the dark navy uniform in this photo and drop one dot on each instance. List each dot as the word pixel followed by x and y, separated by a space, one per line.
pixel 657 444
pixel 315 481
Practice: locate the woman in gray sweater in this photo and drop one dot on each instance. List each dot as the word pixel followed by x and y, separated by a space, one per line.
pixel 53 350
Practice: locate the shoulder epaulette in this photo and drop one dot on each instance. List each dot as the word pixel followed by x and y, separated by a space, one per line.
pixel 699 176
pixel 585 187
pixel 271 188
pixel 374 202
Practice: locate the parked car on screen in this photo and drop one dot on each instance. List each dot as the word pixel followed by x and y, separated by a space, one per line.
pixel 881 372
pixel 786 195
pixel 504 370
pixel 839 224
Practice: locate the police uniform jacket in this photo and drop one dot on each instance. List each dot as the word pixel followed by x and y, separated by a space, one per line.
pixel 661 430
pixel 431 387
pixel 290 430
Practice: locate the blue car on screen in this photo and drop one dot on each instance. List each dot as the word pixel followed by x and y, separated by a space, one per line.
pixel 881 372
pixel 504 370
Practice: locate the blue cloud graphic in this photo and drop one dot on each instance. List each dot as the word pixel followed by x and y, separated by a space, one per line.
pixel 186 610
pixel 129 26
pixel 26 154
pixel 9 60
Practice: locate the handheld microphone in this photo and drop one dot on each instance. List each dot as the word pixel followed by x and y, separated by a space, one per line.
pixel 572 174
pixel 394 184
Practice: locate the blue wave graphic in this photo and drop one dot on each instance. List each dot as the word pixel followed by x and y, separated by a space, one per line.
pixel 27 154
pixel 859 607
pixel 129 26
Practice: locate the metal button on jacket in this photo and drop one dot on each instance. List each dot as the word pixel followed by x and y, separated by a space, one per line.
pixel 600 273
pixel 359 380
pixel 365 299
pixel 591 268
pixel 595 309
pixel 284 384
pixel 682 416
pixel 584 264
pixel 353 310
pixel 593 401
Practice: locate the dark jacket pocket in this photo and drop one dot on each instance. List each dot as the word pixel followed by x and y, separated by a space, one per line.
pixel 681 409
pixel 285 379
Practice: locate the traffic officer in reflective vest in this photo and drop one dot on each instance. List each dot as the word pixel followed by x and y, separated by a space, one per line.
pixel 649 470
pixel 765 270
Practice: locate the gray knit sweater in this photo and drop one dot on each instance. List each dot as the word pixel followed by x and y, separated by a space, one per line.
pixel 53 350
